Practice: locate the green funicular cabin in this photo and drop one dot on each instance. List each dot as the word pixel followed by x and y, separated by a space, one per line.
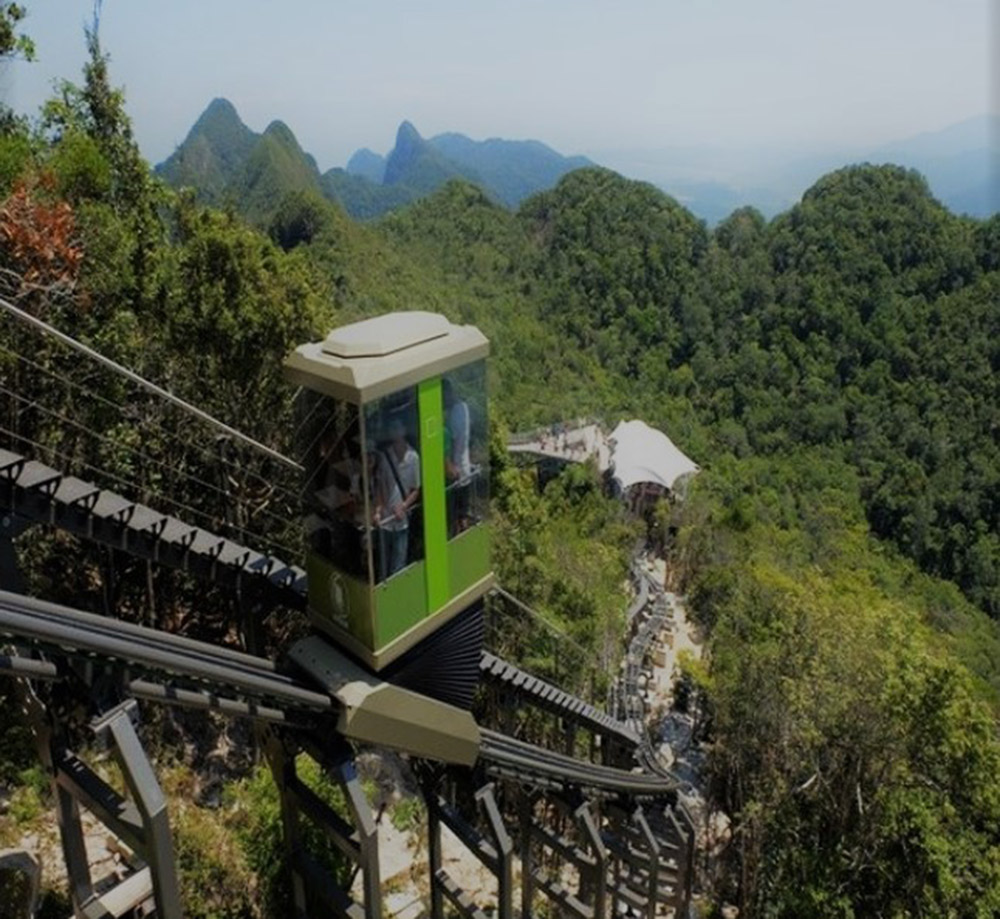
pixel 392 429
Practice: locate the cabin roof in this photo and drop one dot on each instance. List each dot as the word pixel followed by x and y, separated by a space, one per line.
pixel 365 360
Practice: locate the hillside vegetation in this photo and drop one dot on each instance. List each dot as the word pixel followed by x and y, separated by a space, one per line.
pixel 223 161
pixel 836 373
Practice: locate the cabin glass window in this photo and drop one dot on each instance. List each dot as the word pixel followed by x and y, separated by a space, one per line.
pixel 392 437
pixel 466 452
pixel 334 485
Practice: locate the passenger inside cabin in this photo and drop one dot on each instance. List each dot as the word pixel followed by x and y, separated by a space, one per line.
pixel 457 462
pixel 334 493
pixel 397 492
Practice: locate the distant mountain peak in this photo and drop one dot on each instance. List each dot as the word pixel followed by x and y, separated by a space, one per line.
pixel 407 133
pixel 215 147
pixel 222 156
pixel 415 162
pixel 219 119
pixel 220 106
pixel 367 164
pixel 280 131
pixel 408 142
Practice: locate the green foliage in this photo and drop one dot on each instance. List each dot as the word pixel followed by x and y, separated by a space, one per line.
pixel 215 882
pixel 255 819
pixel 620 259
pixel 27 804
pixel 12 43
pixel 19 754
pixel 834 371
pixel 565 552
pixel 362 198
pixel 82 171
pixel 300 218
pixel 408 814
pixel 15 157
pixel 851 747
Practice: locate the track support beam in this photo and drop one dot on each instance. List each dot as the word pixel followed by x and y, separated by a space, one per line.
pixel 316 890
pixel 494 849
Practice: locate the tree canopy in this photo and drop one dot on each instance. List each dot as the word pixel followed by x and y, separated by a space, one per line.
pixel 835 372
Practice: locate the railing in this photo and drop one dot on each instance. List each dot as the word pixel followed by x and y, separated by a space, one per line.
pixel 522 635
pixel 555 429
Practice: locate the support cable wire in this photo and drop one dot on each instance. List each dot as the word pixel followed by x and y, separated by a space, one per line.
pixel 145 384
pixel 213 523
pixel 307 483
pixel 135 451
pixel 159 428
pixel 553 629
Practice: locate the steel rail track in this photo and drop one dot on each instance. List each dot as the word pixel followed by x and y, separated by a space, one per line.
pixel 84 633
pixel 654 602
pixel 65 629
pixel 45 495
pixel 528 761
pixel 547 696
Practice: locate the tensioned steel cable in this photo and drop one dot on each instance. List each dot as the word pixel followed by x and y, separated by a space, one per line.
pixel 156 426
pixel 554 629
pixel 146 384
pixel 135 451
pixel 70 463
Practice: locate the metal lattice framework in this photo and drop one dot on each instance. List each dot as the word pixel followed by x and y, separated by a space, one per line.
pixel 619 829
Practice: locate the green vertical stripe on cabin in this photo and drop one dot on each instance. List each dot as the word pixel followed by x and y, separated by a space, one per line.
pixel 432 492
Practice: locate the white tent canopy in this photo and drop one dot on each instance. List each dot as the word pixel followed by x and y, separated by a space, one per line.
pixel 643 454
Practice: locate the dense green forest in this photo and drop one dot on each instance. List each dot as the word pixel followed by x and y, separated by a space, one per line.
pixel 835 371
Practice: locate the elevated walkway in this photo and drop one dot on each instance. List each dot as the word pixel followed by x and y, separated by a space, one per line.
pixel 574 443
pixel 633 454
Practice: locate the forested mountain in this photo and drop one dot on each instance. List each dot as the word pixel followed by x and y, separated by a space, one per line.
pixel 222 159
pixel 276 167
pixel 835 372
pixel 415 163
pixel 367 164
pixel 216 147
pixel 412 170
pixel 508 170
pixel 864 320
pixel 512 169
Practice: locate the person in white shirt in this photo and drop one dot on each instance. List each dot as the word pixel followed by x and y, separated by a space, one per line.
pixel 398 490
pixel 457 464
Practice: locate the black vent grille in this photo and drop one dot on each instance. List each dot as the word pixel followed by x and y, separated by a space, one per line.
pixel 445 666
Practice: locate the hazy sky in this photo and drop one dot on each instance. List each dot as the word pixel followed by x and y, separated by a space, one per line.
pixel 585 77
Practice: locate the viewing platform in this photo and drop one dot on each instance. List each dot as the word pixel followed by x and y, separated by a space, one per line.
pixel 634 455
